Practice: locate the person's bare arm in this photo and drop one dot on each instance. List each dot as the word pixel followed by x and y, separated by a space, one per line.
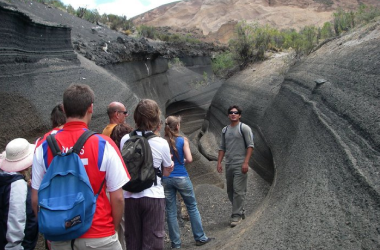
pixel 167 170
pixel 245 166
pixel 186 151
pixel 35 201
pixel 219 167
pixel 117 206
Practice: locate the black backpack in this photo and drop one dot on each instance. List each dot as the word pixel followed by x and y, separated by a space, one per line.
pixel 138 158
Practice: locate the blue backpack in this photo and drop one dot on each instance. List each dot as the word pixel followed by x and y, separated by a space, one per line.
pixel 65 198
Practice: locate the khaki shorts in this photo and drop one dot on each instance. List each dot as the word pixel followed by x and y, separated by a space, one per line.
pixel 106 243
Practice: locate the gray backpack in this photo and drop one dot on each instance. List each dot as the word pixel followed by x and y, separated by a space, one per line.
pixel 138 158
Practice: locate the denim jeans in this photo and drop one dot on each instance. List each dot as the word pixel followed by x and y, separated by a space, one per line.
pixel 185 188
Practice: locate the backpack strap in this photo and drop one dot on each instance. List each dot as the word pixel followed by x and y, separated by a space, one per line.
pixel 53 145
pixel 101 187
pixel 157 171
pixel 224 131
pixel 78 147
pixel 148 135
pixel 82 139
pixel 241 132
pixel 55 149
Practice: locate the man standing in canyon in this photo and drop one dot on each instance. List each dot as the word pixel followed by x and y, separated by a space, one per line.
pixel 237 145
pixel 117 113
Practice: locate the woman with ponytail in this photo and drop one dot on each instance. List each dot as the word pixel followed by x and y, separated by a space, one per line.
pixel 179 181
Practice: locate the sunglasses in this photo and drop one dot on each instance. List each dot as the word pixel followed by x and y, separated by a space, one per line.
pixel 124 112
pixel 234 113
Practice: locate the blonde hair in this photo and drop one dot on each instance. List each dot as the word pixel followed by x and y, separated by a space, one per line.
pixel 27 173
pixel 171 131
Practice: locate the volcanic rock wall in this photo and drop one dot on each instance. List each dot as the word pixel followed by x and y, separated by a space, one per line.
pixel 38 63
pixel 322 129
pixel 27 48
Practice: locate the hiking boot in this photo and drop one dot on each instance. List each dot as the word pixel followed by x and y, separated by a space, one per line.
pixel 202 242
pixel 243 213
pixel 235 220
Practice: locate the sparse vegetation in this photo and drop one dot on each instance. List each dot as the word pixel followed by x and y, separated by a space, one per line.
pixel 222 63
pixel 204 81
pixel 154 33
pixel 253 40
pixel 175 62
pixel 327 31
pixel 344 21
pixel 325 2
pixel 114 22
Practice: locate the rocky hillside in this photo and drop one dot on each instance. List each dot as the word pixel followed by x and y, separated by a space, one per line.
pixel 216 18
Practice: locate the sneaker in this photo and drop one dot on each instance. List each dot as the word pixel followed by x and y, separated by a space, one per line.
pixel 202 242
pixel 235 221
pixel 176 247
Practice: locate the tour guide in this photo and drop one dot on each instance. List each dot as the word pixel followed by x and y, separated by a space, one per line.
pixel 237 145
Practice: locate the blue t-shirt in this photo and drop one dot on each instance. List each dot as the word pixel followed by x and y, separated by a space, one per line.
pixel 179 161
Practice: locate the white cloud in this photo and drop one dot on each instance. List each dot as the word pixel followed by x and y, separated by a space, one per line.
pixel 88 4
pixel 129 8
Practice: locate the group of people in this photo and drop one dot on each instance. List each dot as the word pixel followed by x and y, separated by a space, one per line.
pixel 122 219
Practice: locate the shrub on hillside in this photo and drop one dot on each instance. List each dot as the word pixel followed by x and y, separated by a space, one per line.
pixel 309 38
pixel 70 10
pixel 365 14
pixel 343 21
pixel 242 46
pixel 146 31
pixel 222 63
pixel 327 31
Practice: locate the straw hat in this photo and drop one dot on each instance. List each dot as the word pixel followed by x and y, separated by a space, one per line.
pixel 18 155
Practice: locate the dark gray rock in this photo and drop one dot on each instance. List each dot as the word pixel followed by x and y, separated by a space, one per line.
pixel 324 142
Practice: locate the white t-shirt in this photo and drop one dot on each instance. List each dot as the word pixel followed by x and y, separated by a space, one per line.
pixel 161 155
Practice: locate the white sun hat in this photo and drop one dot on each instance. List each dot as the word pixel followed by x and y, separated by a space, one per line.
pixel 18 155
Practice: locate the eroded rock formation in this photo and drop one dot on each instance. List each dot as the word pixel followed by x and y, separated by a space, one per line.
pixel 322 129
pixel 40 59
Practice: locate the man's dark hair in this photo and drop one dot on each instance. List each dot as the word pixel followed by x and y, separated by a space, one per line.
pixel 147 115
pixel 57 116
pixel 234 107
pixel 77 98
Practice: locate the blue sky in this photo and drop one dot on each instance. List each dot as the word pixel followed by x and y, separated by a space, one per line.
pixel 129 8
